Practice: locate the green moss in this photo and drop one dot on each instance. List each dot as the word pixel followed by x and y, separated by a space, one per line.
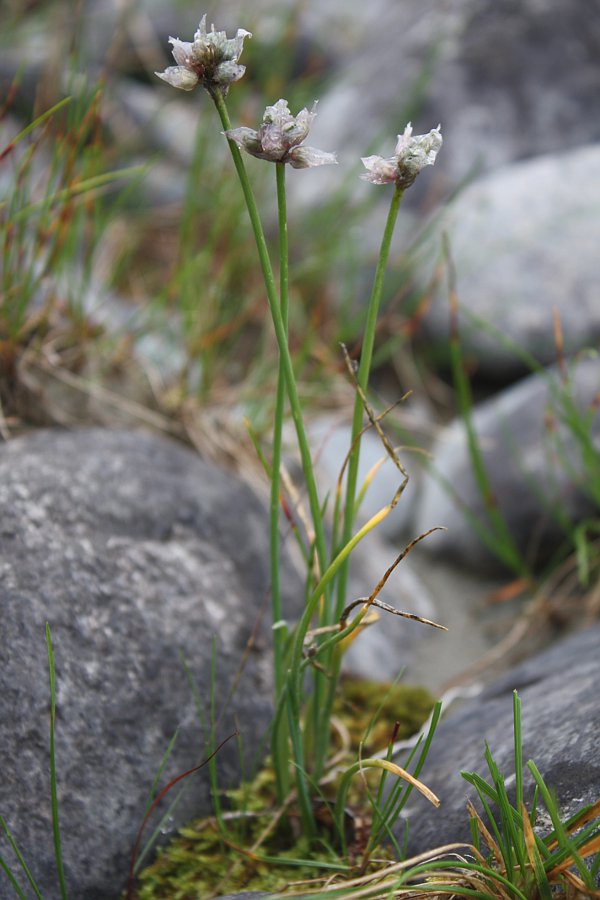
pixel 360 700
pixel 202 860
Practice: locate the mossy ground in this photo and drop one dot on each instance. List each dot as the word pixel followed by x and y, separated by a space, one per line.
pixel 359 701
pixel 206 858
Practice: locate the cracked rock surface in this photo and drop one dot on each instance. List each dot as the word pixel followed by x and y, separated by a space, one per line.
pixel 559 714
pixel 136 552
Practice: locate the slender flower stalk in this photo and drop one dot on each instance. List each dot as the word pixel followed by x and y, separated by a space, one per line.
pixel 411 156
pixel 280 139
pixel 293 714
pixel 366 357
pixel 281 336
pixel 279 749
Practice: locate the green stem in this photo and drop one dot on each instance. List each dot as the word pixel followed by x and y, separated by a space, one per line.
pixel 279 740
pixel 280 334
pixel 296 411
pixel 277 432
pixel 364 369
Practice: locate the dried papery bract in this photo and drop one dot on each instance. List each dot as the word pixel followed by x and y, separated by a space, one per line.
pixel 280 136
pixel 411 155
pixel 211 60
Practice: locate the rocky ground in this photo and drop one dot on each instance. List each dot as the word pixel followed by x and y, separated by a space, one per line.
pixel 135 550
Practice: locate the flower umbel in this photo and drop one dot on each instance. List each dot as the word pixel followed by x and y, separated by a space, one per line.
pixel 279 137
pixel 211 59
pixel 412 154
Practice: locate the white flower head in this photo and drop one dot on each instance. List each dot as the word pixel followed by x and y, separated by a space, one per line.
pixel 279 138
pixel 211 59
pixel 411 155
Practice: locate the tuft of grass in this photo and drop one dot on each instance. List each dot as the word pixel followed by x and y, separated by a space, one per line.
pixel 267 851
pixel 518 857
pixel 57 205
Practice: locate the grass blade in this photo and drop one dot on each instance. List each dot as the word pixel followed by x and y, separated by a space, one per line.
pixel 537 866
pixel 18 891
pixel 94 183
pixel 510 822
pixel 22 863
pixel 564 842
pixel 38 121
pixel 401 791
pixel 53 783
pixel 159 771
pixel 151 794
pixel 162 822
pixel 518 751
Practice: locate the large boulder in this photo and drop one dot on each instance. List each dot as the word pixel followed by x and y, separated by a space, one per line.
pixel 524 243
pixel 138 554
pixel 537 441
pixel 560 732
pixel 516 78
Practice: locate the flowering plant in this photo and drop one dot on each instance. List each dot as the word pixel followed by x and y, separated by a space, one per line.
pixel 279 138
pixel 302 726
pixel 211 59
pixel 412 154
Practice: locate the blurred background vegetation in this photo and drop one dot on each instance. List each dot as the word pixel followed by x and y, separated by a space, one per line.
pixel 130 283
pixel 130 290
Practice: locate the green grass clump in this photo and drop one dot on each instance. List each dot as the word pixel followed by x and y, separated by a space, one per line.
pixel 251 848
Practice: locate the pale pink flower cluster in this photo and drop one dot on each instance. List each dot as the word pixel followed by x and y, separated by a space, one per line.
pixel 280 136
pixel 411 155
pixel 211 59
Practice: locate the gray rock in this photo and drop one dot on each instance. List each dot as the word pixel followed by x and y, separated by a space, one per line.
pixel 534 462
pixel 508 80
pixel 524 241
pixel 561 729
pixel 515 79
pixel 134 550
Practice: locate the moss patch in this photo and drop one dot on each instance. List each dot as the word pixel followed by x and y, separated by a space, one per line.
pixel 205 858
pixel 359 701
